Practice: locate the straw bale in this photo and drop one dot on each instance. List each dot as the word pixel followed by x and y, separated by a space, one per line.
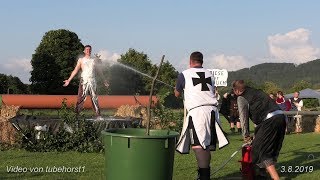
pixel 134 111
pixel 138 111
pixel 7 131
pixel 9 111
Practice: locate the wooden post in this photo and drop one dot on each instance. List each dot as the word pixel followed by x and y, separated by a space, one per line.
pixel 150 97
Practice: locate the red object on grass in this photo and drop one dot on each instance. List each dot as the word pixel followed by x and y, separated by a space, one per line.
pixel 246 169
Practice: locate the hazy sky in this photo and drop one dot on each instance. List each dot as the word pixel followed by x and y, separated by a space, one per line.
pixel 231 34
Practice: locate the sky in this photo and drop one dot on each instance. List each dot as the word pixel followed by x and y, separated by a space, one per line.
pixel 231 34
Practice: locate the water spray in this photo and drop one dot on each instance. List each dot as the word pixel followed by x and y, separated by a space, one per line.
pixel 141 73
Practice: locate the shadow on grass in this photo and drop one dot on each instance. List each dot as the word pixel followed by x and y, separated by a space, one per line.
pixel 231 176
pixel 304 161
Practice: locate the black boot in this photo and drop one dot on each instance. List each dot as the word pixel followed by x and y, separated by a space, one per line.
pixel 240 130
pixel 232 130
pixel 203 174
pixel 260 173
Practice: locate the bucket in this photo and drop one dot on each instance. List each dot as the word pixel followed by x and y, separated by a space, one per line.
pixel 130 154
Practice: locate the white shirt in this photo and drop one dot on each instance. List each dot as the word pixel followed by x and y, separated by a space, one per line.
pixel 299 105
pixel 199 88
pixel 88 69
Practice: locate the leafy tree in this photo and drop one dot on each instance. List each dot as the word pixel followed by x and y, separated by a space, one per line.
pixel 3 84
pixel 165 86
pixel 134 73
pixel 251 83
pixel 124 82
pixel 298 86
pixel 127 77
pixel 270 87
pixel 167 76
pixel 310 103
pixel 53 61
pixel 16 86
pixel 12 84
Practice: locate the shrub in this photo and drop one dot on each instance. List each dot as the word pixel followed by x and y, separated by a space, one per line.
pixel 84 137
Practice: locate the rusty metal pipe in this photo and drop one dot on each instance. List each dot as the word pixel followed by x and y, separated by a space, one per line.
pixel 55 101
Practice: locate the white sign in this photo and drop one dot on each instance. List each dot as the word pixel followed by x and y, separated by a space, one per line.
pixel 220 76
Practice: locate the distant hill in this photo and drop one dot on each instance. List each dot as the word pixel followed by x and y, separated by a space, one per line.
pixel 283 74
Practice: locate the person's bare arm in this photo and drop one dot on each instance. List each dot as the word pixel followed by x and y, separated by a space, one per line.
pixel 74 72
pixel 243 108
pixel 176 93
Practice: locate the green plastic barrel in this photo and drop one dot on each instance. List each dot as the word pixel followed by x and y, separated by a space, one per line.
pixel 130 154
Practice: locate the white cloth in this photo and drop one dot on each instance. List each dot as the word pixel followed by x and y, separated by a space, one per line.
pixel 199 88
pixel 298 105
pixel 89 83
pixel 198 91
pixel 88 70
pixel 201 118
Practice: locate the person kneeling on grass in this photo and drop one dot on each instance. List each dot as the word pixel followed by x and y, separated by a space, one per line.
pixel 270 130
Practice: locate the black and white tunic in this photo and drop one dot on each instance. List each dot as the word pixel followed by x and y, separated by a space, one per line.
pixel 201 103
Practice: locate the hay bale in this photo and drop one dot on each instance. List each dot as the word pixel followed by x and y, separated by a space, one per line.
pixel 317 127
pixel 138 111
pixel 135 111
pixel 9 111
pixel 7 131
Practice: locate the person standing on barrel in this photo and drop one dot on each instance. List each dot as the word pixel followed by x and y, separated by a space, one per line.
pixel 88 83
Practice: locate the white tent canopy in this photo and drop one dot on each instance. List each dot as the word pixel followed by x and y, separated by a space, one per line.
pixel 306 93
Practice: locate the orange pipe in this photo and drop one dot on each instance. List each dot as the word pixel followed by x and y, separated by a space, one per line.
pixel 55 101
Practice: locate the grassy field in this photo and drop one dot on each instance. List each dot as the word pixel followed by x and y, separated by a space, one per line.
pixel 301 152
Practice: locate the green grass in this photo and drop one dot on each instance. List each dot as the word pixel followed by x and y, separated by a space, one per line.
pixel 298 150
pixel 92 162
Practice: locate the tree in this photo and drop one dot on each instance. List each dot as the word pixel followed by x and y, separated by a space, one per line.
pixel 270 87
pixel 130 76
pixel 251 83
pixel 133 75
pixel 53 61
pixel 164 88
pixel 11 84
pixel 16 86
pixel 167 76
pixel 3 84
pixel 300 85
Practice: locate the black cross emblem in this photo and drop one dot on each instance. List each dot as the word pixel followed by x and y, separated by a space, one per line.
pixel 204 81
